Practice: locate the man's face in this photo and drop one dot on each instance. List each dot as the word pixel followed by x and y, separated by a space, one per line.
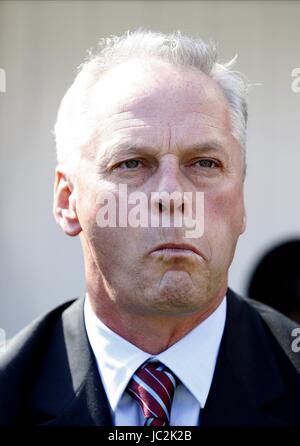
pixel 160 128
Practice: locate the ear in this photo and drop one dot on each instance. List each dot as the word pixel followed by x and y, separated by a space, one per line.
pixel 244 222
pixel 64 204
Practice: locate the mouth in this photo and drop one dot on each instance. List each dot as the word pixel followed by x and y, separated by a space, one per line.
pixel 176 249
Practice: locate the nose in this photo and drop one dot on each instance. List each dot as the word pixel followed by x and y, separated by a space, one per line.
pixel 168 188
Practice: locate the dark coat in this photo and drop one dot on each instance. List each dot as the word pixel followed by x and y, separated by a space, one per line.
pixel 48 375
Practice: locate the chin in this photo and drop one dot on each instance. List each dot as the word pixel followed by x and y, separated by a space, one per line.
pixel 176 303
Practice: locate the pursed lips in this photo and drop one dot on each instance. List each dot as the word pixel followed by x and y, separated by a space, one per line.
pixel 177 249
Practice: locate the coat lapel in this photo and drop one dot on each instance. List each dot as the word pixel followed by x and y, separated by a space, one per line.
pixel 69 390
pixel 246 380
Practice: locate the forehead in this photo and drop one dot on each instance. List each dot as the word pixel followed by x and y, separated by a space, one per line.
pixel 140 98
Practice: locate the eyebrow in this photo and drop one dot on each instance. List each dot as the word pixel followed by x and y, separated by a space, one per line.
pixel 126 148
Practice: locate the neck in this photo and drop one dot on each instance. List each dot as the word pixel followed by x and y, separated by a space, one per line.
pixel 150 333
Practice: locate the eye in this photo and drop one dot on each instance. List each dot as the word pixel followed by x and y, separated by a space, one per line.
pixel 130 164
pixel 207 163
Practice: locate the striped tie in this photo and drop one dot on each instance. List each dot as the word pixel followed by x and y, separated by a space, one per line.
pixel 153 386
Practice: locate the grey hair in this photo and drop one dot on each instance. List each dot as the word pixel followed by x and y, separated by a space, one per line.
pixel 74 127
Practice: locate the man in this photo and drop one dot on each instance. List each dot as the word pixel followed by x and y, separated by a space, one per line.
pixel 159 338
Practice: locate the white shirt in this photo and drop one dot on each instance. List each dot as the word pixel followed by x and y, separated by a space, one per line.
pixel 192 359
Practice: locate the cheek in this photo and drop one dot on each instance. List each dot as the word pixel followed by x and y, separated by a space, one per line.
pixel 87 209
pixel 224 211
pixel 108 241
pixel 93 196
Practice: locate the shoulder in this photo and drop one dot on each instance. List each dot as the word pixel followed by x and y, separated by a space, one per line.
pixel 33 335
pixel 24 354
pixel 283 330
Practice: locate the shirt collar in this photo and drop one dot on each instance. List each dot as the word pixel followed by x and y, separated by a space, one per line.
pixel 192 358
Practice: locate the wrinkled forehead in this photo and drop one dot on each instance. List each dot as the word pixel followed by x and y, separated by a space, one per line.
pixel 153 102
pixel 156 91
